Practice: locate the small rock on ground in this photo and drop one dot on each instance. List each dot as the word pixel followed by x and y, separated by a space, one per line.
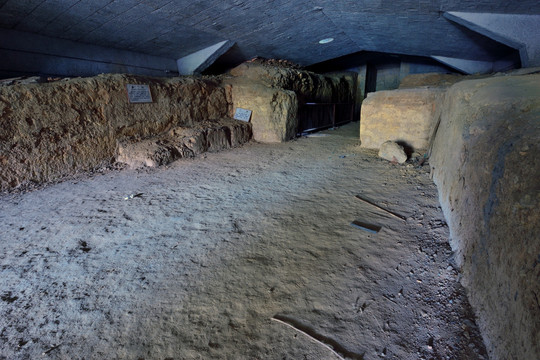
pixel 392 151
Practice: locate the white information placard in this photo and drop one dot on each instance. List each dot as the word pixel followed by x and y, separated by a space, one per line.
pixel 139 94
pixel 242 114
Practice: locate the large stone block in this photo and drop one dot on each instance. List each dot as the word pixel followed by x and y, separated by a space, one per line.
pixel 274 110
pixel 404 116
pixel 485 163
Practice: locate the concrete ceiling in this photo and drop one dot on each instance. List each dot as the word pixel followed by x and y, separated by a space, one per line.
pixel 282 29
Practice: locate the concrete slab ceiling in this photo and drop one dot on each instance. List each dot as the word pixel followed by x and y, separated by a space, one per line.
pixel 174 29
pixel 466 66
pixel 521 32
pixel 199 61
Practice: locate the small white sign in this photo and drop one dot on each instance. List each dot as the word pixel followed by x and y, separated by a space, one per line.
pixel 242 114
pixel 139 94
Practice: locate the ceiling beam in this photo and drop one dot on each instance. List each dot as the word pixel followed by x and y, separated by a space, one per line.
pixel 33 54
pixel 521 32
pixel 465 65
pixel 199 61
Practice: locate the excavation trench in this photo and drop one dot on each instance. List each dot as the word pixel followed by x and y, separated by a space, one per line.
pixel 195 259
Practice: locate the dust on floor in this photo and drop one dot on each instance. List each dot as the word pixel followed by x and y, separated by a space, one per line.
pixel 244 254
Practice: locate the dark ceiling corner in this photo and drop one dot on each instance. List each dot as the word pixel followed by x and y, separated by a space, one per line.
pixel 232 58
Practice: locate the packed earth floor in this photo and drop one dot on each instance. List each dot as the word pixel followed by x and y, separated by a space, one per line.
pixel 245 254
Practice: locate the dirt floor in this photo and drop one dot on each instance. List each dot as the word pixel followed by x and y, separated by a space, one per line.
pixel 244 254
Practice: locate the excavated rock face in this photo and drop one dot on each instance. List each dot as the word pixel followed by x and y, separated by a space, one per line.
pixel 184 142
pixel 273 93
pixel 53 129
pixel 273 110
pixel 308 86
pixel 49 130
pixel 486 166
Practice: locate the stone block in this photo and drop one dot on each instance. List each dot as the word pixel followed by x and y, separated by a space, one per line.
pixel 274 110
pixel 404 116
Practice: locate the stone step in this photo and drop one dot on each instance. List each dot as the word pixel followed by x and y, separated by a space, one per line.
pixel 184 142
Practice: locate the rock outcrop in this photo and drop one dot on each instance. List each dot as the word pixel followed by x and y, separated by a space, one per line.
pixel 486 166
pixel 50 130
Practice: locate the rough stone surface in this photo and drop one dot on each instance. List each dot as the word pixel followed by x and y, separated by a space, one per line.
pixel 431 79
pixel 406 116
pixel 184 142
pixel 50 130
pixel 53 129
pixel 522 71
pixel 308 86
pixel 486 166
pixel 392 151
pixel 273 93
pixel 274 110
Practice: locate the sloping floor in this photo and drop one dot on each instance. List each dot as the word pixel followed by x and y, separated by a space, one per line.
pixel 243 254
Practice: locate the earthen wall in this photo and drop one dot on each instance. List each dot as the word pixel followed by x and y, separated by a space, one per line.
pixel 486 166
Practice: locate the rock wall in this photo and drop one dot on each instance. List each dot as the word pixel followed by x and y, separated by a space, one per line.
pixel 485 163
pixel 50 130
pixel 273 93
pixel 404 116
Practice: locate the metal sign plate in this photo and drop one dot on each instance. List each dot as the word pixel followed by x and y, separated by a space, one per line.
pixel 242 114
pixel 139 94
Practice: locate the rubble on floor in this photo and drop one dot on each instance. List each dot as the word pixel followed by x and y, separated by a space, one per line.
pixel 392 151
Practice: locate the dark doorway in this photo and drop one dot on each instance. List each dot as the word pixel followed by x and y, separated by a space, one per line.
pixel 371 79
pixel 320 116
